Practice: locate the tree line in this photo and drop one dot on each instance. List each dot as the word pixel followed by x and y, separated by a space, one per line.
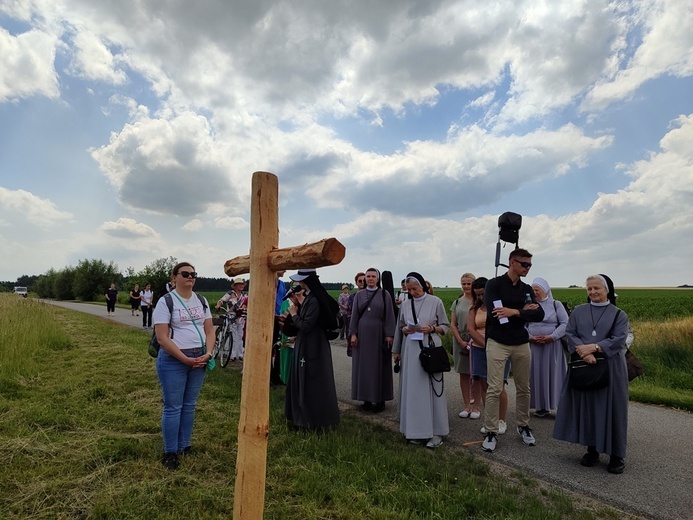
pixel 89 280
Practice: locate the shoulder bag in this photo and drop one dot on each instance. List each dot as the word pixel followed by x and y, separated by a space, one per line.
pixel 586 377
pixel 635 367
pixel 434 359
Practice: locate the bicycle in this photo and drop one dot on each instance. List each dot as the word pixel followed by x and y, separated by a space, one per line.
pixel 223 341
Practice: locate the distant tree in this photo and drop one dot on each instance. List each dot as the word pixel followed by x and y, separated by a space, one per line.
pixel 63 283
pixel 93 277
pixel 130 277
pixel 158 273
pixel 44 285
pixel 26 281
pixel 212 284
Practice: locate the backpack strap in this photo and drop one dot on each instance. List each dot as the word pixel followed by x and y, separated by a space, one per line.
pixel 169 303
pixel 203 301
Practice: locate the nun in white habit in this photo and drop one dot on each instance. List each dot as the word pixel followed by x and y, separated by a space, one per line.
pixel 422 404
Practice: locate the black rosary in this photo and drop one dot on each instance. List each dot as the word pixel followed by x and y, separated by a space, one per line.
pixel 594 325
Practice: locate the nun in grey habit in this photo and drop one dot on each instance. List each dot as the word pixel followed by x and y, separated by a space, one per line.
pixel 597 419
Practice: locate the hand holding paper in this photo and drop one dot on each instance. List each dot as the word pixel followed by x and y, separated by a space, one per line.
pixel 496 305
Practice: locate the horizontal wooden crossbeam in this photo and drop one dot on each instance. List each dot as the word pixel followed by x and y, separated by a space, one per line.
pixel 328 251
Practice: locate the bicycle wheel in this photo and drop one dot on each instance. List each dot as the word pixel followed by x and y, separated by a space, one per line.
pixel 217 335
pixel 225 348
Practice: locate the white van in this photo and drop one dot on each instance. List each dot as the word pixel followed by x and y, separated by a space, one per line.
pixel 21 291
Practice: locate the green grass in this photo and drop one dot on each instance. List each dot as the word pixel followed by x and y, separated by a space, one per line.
pixel 666 350
pixel 80 438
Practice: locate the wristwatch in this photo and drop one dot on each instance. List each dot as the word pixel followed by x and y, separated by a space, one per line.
pixel 598 348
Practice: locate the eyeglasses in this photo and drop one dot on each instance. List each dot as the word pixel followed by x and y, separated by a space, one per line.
pixel 360 280
pixel 188 274
pixel 525 265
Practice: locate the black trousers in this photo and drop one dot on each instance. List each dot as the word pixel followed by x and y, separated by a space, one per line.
pixel 147 312
pixel 275 371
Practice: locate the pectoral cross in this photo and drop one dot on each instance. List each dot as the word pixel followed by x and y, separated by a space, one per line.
pixel 264 261
pixel 303 362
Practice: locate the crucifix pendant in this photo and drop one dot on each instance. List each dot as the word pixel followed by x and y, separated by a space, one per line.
pixel 303 362
pixel 594 332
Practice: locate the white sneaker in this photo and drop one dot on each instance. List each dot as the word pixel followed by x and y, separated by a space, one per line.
pixel 526 434
pixel 434 442
pixel 502 428
pixel 463 414
pixel 489 443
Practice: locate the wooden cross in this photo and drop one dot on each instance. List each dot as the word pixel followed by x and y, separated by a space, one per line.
pixel 264 261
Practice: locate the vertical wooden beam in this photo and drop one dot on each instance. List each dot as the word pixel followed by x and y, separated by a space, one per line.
pixel 253 426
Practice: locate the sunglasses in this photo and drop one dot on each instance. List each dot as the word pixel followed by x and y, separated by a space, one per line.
pixel 188 274
pixel 525 265
pixel 360 281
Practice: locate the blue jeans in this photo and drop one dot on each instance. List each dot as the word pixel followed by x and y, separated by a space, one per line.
pixel 180 385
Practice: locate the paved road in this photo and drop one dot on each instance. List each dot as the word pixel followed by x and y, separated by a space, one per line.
pixel 657 483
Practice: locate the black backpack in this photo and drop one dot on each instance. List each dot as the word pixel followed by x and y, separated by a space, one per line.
pixel 153 342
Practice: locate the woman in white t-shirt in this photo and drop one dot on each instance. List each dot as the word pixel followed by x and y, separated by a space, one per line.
pixel 146 306
pixel 186 337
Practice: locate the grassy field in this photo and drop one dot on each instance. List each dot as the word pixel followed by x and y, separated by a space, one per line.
pixel 79 438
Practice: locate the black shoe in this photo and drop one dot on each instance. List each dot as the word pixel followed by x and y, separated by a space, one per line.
pixel 170 461
pixel 185 451
pixel 379 407
pixel 616 465
pixel 542 413
pixel 367 405
pixel 590 458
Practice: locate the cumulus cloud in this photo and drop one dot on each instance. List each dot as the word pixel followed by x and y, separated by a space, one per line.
pixel 40 212
pixel 193 225
pixel 473 165
pixel 230 223
pixel 94 60
pixel 127 228
pixel 26 62
pixel 214 92
pixel 665 49
pixel 168 166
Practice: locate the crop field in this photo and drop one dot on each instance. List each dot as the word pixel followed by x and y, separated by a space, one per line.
pixel 642 304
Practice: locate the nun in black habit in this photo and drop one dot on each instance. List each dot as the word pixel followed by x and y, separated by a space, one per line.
pixel 311 395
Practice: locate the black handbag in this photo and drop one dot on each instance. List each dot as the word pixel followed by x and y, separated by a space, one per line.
pixel 583 376
pixel 586 377
pixel 434 359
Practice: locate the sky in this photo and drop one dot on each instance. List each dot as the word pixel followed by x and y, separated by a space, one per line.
pixel 129 131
